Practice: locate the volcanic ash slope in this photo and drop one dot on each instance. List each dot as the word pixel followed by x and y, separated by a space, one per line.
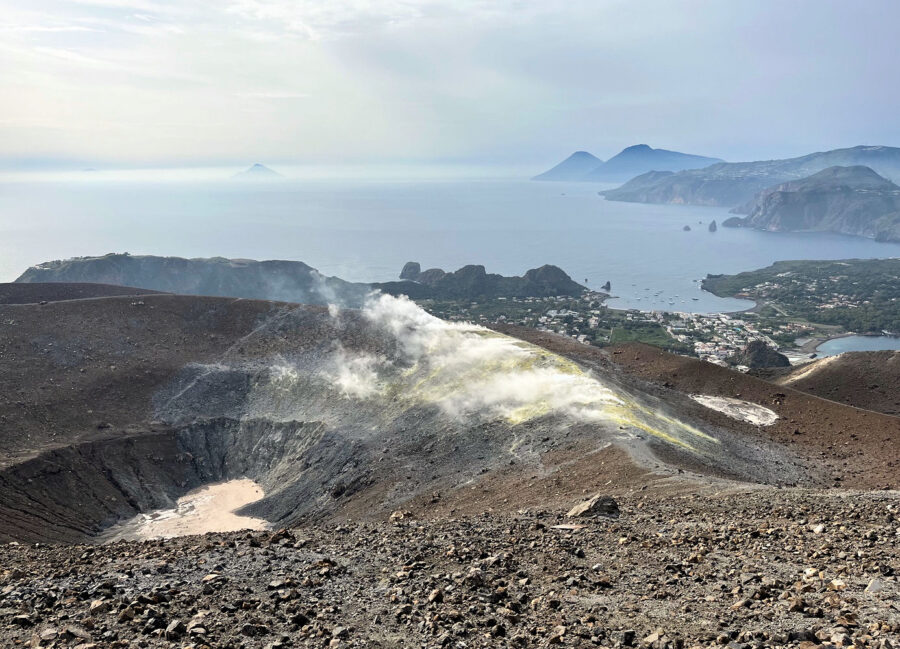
pixel 330 412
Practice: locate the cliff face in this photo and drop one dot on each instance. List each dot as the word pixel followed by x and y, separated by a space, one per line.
pixel 846 200
pixel 730 184
pixel 289 281
pixel 718 185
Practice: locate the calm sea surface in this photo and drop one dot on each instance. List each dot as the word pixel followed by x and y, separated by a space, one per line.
pixel 857 344
pixel 365 231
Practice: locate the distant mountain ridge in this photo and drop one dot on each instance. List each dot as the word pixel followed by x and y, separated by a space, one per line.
pixel 582 166
pixel 730 184
pixel 847 200
pixel 641 158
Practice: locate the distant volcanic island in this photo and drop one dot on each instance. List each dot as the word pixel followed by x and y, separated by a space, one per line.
pixel 847 191
pixel 582 166
pixel 257 172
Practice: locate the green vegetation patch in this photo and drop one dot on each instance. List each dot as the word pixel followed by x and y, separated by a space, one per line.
pixel 856 294
pixel 646 332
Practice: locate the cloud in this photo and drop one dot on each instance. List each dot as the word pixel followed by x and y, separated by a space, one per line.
pixel 46 29
pixel 273 94
pixel 501 80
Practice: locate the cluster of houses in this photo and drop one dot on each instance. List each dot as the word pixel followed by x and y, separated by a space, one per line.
pixel 713 337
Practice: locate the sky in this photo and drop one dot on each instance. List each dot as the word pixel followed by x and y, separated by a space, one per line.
pixel 198 82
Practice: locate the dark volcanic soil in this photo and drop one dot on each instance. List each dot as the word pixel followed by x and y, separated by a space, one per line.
pixel 869 380
pixel 115 405
pixel 55 292
pixel 83 369
pixel 746 569
pixel 857 448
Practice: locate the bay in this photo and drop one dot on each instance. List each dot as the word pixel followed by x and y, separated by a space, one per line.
pixel 837 346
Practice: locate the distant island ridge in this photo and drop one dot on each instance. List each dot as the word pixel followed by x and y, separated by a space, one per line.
pixel 846 191
pixel 293 281
pixel 582 166
pixel 732 184
pixel 257 171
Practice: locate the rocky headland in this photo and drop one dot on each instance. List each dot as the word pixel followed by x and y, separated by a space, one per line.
pixel 846 200
pixel 470 282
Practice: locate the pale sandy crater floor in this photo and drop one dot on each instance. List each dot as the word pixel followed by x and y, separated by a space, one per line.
pixel 208 509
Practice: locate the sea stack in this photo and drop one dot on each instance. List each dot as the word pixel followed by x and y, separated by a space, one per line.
pixel 686 228
pixel 411 270
pixel 712 226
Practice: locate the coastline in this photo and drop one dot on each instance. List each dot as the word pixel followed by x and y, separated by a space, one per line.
pixel 857 335
pixel 811 345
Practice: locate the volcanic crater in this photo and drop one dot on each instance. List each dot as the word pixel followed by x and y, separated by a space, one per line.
pixel 119 405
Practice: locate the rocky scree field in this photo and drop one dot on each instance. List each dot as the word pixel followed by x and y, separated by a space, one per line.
pixel 738 569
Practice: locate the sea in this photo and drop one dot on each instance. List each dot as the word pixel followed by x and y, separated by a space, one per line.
pixel 365 229
pixel 843 344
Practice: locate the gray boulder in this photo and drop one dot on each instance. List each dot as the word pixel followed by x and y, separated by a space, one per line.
pixel 598 505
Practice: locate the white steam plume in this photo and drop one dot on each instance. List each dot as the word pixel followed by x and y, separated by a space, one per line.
pixel 466 369
pixel 356 375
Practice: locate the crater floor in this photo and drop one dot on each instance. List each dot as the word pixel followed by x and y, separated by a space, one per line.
pixel 211 508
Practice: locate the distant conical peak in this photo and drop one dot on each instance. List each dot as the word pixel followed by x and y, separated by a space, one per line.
pixel 258 171
pixel 258 166
pixel 629 163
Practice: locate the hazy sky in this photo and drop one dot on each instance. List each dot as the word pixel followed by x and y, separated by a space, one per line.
pixel 339 81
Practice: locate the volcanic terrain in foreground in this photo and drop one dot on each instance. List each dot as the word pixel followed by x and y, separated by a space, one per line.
pixel 422 471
